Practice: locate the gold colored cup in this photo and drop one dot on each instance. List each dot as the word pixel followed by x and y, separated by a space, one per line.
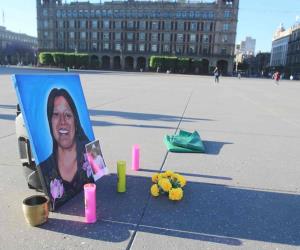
pixel 36 209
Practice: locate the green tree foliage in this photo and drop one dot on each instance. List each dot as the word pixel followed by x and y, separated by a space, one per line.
pixel 59 59
pixel 82 60
pixel 70 60
pixel 95 62
pixel 175 64
pixel 46 58
pixel 183 64
pixel 197 66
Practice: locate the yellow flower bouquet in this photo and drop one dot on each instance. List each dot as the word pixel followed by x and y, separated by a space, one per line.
pixel 168 183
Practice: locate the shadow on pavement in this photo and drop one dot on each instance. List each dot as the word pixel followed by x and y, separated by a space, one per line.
pixel 139 117
pixel 208 212
pixel 5 106
pixel 102 230
pixel 7 117
pixel 188 174
pixel 143 116
pixel 214 147
pixel 105 124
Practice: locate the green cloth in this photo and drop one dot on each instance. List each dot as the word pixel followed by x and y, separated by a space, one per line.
pixel 184 142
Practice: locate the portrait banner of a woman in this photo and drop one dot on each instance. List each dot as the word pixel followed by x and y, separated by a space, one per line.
pixel 58 124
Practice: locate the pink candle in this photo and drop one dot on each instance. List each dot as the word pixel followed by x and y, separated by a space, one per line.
pixel 135 157
pixel 90 202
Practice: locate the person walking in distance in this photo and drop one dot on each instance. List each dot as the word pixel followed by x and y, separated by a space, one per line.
pixel 216 74
pixel 276 77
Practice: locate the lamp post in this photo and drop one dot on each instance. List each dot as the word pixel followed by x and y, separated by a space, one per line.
pixel 121 56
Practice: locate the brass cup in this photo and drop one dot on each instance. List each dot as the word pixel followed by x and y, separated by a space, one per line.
pixel 36 209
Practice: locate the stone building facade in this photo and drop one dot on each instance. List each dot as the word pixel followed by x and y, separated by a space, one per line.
pixel 16 47
pixel 293 55
pixel 280 44
pixel 125 34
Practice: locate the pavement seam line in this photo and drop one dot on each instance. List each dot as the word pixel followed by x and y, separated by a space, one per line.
pixel 162 165
pixel 5 136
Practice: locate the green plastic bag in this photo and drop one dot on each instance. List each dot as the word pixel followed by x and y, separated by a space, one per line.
pixel 184 142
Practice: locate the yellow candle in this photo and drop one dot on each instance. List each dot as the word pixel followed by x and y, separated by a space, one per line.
pixel 121 167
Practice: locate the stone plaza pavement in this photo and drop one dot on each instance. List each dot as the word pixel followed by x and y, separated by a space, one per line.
pixel 242 194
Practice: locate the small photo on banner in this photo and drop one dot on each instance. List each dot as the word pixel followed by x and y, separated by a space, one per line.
pixel 95 161
pixel 59 127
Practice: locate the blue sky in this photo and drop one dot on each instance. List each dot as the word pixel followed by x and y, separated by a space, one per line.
pixel 257 18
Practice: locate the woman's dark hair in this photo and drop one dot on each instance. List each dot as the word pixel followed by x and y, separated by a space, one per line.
pixel 79 133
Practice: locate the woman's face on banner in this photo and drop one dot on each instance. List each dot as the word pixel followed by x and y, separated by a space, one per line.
pixel 63 123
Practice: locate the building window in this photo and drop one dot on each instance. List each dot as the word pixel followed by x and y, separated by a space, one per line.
pixel 193 26
pixel 129 36
pixel 106 24
pixel 192 49
pixel 223 51
pixel 45 24
pixel 225 26
pixel 45 12
pixel 82 45
pixel 105 35
pixel 141 47
pixel 82 35
pixel 193 38
pixel 94 24
pixel 45 34
pixel 167 37
pixel 106 46
pixel 75 14
pixel 94 35
pixel 179 49
pixel 224 39
pixel 154 37
pixel 60 44
pixel 71 45
pixel 179 37
pixel 118 47
pixel 94 46
pixel 142 36
pixel 60 24
pixel 167 25
pixel 86 13
pixel 118 24
pixel 142 25
pixel 205 39
pixel 166 48
pixel 82 24
pixel 69 13
pixel 129 47
pixel 180 25
pixel 92 13
pixel 118 36
pixel 227 13
pixel 207 27
pixel 130 24
pixel 205 50
pixel 72 23
pixel 154 25
pixel 71 34
pixel 154 47
pixel 61 35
